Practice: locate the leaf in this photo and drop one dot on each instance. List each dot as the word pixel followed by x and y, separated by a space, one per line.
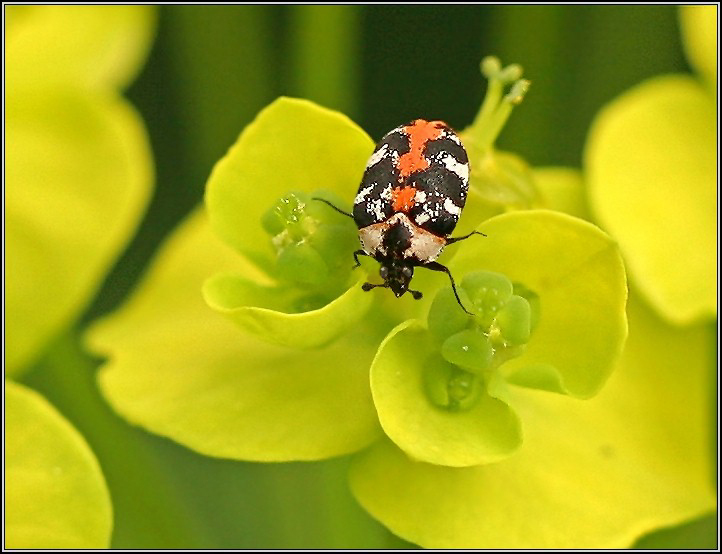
pixel 291 145
pixel 79 47
pixel 577 272
pixel 78 179
pixel 651 163
pixel 486 432
pixel 181 370
pixel 594 474
pixel 56 496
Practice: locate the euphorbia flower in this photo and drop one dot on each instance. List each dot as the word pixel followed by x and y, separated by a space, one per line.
pixel 56 493
pixel 79 174
pixel 651 168
pixel 283 357
pixel 79 170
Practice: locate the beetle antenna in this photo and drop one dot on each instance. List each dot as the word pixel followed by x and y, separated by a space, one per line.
pixel 339 210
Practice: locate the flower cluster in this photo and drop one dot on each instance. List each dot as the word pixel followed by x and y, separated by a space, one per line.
pixel 284 357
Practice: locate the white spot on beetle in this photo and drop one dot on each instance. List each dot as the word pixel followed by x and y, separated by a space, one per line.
pixel 376 207
pixel 377 156
pixel 363 193
pixel 453 165
pixel 422 218
pixel 452 208
pixel 453 138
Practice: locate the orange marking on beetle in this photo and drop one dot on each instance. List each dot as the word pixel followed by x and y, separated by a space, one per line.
pixel 419 132
pixel 403 198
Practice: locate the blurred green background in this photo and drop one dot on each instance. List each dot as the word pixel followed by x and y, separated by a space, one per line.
pixel 209 72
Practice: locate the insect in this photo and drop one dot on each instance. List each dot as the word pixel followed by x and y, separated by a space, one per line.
pixel 409 201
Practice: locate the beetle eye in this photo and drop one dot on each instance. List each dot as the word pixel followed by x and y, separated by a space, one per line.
pixel 407 272
pixel 384 272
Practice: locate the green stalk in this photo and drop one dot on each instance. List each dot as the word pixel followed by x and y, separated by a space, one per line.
pixel 323 49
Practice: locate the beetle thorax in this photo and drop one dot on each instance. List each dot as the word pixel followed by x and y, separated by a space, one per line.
pixel 399 238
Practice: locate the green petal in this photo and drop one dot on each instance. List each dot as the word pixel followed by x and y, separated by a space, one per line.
pixel 595 474
pixel 291 145
pixel 78 178
pixel 562 189
pixel 78 46
pixel 514 321
pixel 485 433
pixel 444 316
pixel 56 496
pixel 468 349
pixel 181 370
pixel 651 168
pixel 258 310
pixel 578 274
pixel 699 34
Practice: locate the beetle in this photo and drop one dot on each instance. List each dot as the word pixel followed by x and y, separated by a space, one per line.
pixel 409 201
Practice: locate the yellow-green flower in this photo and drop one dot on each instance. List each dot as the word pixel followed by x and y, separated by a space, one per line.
pixel 249 340
pixel 78 176
pixel 651 168
pixel 79 168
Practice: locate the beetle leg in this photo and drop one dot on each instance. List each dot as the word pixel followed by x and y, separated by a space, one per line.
pixel 356 255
